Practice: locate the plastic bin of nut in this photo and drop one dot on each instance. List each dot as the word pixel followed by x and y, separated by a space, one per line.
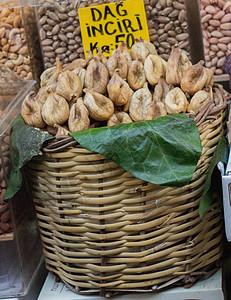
pixel 19 41
pixel 216 29
pixel 60 31
pixel 20 248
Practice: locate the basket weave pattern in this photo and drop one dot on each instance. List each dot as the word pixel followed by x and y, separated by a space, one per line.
pixel 104 230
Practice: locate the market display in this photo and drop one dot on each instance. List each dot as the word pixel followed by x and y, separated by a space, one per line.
pixel 216 30
pixel 128 86
pixel 116 150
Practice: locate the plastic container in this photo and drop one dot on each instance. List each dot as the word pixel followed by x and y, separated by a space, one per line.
pixel 60 32
pixel 20 246
pixel 19 42
pixel 216 30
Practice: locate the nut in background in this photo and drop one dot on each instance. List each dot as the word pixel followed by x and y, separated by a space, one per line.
pixel 19 43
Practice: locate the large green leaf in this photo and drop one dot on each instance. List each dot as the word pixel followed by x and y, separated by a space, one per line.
pixel 163 151
pixel 220 155
pixel 25 142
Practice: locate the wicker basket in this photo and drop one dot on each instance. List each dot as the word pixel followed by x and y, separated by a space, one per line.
pixel 105 231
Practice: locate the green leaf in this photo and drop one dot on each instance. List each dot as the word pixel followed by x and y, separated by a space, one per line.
pixel 25 142
pixel 162 151
pixel 220 155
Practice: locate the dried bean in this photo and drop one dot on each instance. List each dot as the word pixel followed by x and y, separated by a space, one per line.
pixel 53 16
pixel 63 16
pixel 215 23
pixel 221 3
pixel 225 40
pixel 213 41
pixel 51 22
pixel 220 14
pixel 218 71
pixel 216 34
pixel 214 48
pixel 210 9
pixel 47 42
pixel 227 6
pixel 220 54
pixel 47 27
pixel 226 26
pixel 222 47
pixel 206 18
pixel 226 32
pixel 214 61
pixel 171 41
pixel 178 5
pixel 166 11
pixel 226 18
pixel 162 37
pixel 56 29
pixel 182 37
pixel 221 62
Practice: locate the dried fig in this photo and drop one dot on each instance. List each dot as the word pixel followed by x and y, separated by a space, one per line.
pixel 126 106
pixel 195 78
pixel 177 64
pixel 100 107
pixel 118 90
pixel 161 90
pixel 150 46
pixel 81 73
pixel 45 76
pixel 141 49
pixel 61 131
pixel 76 64
pixel 96 77
pixel 55 74
pixel 31 111
pixel 198 99
pixel 100 57
pixel 79 116
pixel 44 91
pixel 51 130
pixel 176 101
pixel 140 103
pixel 69 86
pixel 136 75
pixel 42 95
pixel 154 68
pixel 118 61
pixel 55 110
pixel 119 118
pixel 156 109
pixel 123 50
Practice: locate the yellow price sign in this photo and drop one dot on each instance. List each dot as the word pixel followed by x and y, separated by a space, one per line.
pixel 106 26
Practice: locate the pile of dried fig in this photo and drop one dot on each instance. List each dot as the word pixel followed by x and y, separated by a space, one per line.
pixel 129 86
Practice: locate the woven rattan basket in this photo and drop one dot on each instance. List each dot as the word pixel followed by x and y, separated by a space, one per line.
pixel 105 231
